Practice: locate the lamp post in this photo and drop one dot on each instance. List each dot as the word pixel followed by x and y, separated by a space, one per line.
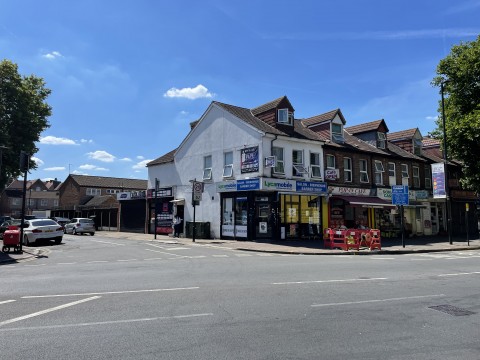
pixel 445 157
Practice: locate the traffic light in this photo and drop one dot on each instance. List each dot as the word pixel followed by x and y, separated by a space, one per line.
pixel 24 161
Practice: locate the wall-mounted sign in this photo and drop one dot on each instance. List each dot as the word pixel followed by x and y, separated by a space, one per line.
pixel 132 195
pixel 270 161
pixel 311 187
pixel 438 179
pixel 343 190
pixel 249 160
pixel 162 192
pixel 331 174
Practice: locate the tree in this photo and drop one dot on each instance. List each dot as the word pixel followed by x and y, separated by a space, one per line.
pixel 460 74
pixel 23 117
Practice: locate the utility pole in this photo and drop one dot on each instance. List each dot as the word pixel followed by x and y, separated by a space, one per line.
pixel 24 164
pixel 448 212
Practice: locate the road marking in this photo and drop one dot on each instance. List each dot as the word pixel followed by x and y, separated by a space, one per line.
pixel 110 292
pixel 377 300
pixel 165 253
pixel 381 258
pixel 189 316
pixel 243 255
pixel 196 257
pixel 220 256
pixel 6 301
pixel 67 263
pixel 458 274
pixel 96 261
pixel 48 310
pixel 36 265
pixel 325 281
pixel 108 242
pixel 127 260
pixel 152 259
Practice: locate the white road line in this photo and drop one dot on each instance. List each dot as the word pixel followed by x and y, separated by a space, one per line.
pixel 110 292
pixel 127 260
pixel 67 263
pixel 6 301
pixel 149 259
pixel 266 254
pixel 96 261
pixel 108 322
pixel 377 300
pixel 220 256
pixel 196 257
pixel 325 281
pixel 243 255
pixel 458 274
pixel 48 310
pixel 381 258
pixel 36 265
pixel 108 242
pixel 165 253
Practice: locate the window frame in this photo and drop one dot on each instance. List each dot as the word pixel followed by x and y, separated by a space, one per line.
pixel 416 177
pixel 284 119
pixel 296 163
pixel 347 170
pixel 207 168
pixel 381 140
pixel 315 163
pixel 227 164
pixel 364 171
pixel 330 156
pixel 428 179
pixel 279 168
pixel 93 191
pixel 404 168
pixel 379 170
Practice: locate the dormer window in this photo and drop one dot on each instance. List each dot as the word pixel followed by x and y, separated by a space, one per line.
pixel 337 133
pixel 381 140
pixel 417 147
pixel 285 117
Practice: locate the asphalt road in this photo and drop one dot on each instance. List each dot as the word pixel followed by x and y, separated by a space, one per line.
pixel 104 298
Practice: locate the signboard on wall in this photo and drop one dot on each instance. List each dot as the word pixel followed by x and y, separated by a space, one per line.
pixel 438 180
pixel 249 160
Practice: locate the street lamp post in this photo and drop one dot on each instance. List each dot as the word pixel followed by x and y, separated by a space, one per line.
pixel 445 159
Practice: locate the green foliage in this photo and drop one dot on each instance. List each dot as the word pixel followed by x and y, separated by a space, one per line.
pixel 23 117
pixel 460 74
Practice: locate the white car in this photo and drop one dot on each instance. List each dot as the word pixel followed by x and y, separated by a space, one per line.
pixel 41 229
pixel 80 226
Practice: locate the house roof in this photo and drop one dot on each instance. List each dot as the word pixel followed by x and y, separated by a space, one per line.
pixel 269 106
pixel 365 127
pixel 103 201
pixel 402 135
pixel 109 182
pixel 429 142
pixel 164 159
pixel 318 119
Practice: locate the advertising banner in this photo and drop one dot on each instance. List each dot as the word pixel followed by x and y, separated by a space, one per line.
pixel 249 160
pixel 438 180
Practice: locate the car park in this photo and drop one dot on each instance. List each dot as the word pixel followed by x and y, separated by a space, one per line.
pixel 4 226
pixel 61 220
pixel 36 230
pixel 80 226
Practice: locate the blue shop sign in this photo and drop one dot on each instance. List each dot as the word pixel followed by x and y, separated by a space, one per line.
pixel 250 184
pixel 311 187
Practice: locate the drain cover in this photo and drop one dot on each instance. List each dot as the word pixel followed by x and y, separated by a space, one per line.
pixel 452 310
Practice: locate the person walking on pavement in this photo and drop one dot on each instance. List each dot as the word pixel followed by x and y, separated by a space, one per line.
pixel 177 224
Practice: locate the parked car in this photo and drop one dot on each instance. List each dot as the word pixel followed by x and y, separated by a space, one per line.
pixel 4 218
pixel 80 226
pixel 61 220
pixel 41 229
pixel 4 226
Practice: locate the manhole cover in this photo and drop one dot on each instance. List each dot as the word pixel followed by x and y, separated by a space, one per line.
pixel 452 310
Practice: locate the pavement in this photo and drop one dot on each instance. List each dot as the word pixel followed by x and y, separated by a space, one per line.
pixel 423 244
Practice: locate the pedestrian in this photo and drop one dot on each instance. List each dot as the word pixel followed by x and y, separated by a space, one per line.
pixel 177 224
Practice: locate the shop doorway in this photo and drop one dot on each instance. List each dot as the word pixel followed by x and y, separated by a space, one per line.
pixel 263 225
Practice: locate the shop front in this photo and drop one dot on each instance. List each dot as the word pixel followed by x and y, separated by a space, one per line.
pixel 273 209
pixel 161 206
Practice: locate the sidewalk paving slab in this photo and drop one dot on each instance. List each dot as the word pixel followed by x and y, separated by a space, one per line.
pixel 292 247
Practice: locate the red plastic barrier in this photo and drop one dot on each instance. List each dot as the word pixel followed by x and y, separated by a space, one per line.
pixel 375 242
pixel 352 239
pixel 328 238
pixel 339 240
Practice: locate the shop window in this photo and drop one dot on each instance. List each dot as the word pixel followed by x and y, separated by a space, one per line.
pixel 392 174
pixel 279 165
pixel 315 165
pixel 428 177
pixel 347 169
pixel 379 172
pixel 241 211
pixel 363 171
pixel 416 176
pixel 207 167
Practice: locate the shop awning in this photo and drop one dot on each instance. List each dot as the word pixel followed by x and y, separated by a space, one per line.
pixel 365 201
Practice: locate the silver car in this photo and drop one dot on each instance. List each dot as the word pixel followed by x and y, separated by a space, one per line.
pixel 80 226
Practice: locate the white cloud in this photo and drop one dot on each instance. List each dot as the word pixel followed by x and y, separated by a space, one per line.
pixel 55 168
pixel 92 167
pixel 38 161
pixel 197 92
pixel 125 159
pixel 52 55
pixel 83 141
pixel 53 140
pixel 76 172
pixel 141 165
pixel 432 118
pixel 101 155
pixel 140 157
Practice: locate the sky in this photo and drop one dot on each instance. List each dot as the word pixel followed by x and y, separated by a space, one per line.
pixel 128 77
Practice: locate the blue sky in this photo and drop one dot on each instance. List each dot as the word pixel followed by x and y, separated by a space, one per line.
pixel 127 77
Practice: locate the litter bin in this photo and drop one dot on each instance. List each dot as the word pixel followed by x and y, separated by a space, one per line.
pixel 202 230
pixel 11 238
